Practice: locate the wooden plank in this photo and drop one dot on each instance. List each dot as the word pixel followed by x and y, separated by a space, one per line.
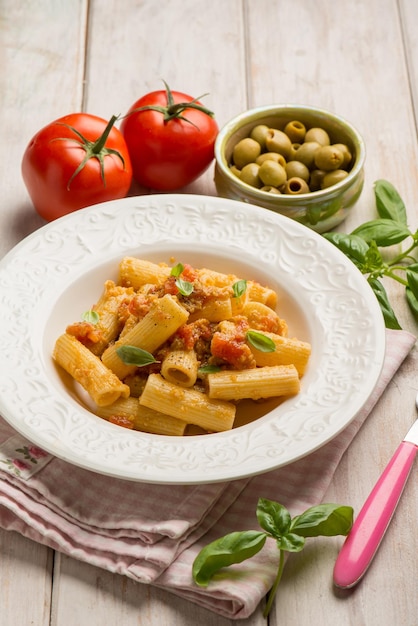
pixel 25 581
pixel 134 46
pixel 41 52
pixel 408 14
pixel 41 79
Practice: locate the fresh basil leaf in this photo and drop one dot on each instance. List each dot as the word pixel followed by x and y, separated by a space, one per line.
pixel 273 517
pixel 260 342
pixel 412 278
pixel 177 269
pixel 385 232
pixel 355 248
pixel 389 204
pixel 291 542
pixel 209 369
pixel 92 317
pixel 412 300
pixel 233 548
pixel 184 287
pixel 327 520
pixel 387 311
pixel 132 355
pixel 373 260
pixel 239 288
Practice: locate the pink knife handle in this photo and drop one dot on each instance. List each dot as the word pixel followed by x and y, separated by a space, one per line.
pixel 371 523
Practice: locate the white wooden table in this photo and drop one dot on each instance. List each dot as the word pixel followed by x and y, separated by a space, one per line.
pixel 358 59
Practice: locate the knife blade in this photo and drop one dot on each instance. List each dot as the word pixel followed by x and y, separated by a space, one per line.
pixel 371 523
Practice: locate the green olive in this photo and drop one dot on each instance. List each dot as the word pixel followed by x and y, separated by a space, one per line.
pixel 259 134
pixel 295 186
pixel 250 175
pixel 271 156
pixel 295 130
pixel 315 180
pixel 319 135
pixel 278 141
pixel 306 153
pixel 272 173
pixel 342 147
pixel 235 171
pixel 328 158
pixel 270 189
pixel 332 178
pixel 245 151
pixel 298 169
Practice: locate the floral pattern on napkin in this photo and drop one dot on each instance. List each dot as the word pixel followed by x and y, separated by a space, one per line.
pixel 22 458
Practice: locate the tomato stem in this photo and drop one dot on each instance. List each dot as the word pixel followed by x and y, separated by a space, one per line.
pixel 174 110
pixel 93 149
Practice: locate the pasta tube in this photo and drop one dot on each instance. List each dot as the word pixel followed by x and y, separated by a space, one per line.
pixel 180 366
pixel 88 370
pixel 137 272
pixel 107 307
pixel 287 351
pixel 189 405
pixel 213 310
pixel 256 383
pixel 261 294
pixel 142 418
pixel 164 318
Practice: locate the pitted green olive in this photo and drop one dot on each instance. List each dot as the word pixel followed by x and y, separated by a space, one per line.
pixel 272 173
pixel 319 135
pixel 306 153
pixel 259 134
pixel 271 156
pixel 295 147
pixel 278 141
pixel 328 158
pixel 315 180
pixel 245 151
pixel 296 131
pixel 270 189
pixel 332 178
pixel 250 175
pixel 297 169
pixel 342 147
pixel 294 186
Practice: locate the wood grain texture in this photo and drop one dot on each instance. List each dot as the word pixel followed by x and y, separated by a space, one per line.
pixel 357 59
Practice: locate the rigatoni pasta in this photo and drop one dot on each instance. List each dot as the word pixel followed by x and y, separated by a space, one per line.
pixel 172 347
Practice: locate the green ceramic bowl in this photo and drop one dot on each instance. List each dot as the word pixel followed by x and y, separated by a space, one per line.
pixel 320 210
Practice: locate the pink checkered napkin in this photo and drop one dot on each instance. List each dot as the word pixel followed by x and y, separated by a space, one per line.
pixel 152 533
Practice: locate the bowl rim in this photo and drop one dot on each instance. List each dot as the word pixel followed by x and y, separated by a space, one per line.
pixel 236 122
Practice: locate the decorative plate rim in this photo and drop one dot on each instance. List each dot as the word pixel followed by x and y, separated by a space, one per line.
pixel 344 318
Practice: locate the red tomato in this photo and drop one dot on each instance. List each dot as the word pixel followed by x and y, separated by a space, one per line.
pixel 170 138
pixel 76 161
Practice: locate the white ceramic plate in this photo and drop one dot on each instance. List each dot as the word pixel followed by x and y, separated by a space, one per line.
pixel 57 273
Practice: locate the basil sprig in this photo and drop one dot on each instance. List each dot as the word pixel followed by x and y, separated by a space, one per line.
pixel 326 520
pixel 362 245
pixel 131 355
pixel 184 286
